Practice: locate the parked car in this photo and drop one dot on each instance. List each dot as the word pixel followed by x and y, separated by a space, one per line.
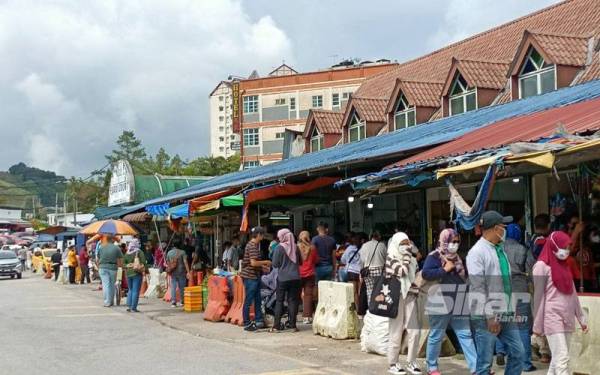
pixel 10 264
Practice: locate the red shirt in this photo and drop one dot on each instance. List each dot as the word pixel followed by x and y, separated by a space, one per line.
pixel 83 257
pixel 307 268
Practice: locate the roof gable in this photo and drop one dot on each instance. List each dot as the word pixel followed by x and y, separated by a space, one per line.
pixel 420 94
pixel 477 73
pixel 367 109
pixel 554 48
pixel 327 122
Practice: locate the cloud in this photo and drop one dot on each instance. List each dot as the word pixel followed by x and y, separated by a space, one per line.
pixel 79 74
pixel 463 18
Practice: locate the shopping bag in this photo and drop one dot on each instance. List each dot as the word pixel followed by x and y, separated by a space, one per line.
pixel 385 297
pixel 363 299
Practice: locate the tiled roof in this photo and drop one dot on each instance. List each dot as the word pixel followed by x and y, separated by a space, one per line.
pixel 564 49
pixel 425 94
pixel 574 17
pixel 593 71
pixel 328 122
pixel 370 109
pixel 484 74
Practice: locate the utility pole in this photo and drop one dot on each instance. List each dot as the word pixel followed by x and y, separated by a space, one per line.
pixel 33 205
pixel 75 211
pixel 65 206
pixel 56 208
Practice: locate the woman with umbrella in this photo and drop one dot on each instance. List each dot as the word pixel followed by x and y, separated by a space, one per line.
pixel 110 257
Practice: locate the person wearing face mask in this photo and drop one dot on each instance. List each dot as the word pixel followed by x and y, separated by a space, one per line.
pixel 521 263
pixel 556 305
pixel 490 296
pixel 444 265
pixel 402 264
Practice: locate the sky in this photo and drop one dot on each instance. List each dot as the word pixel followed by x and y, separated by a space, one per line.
pixel 75 74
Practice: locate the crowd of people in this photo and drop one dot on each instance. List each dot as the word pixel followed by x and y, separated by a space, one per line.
pixel 504 292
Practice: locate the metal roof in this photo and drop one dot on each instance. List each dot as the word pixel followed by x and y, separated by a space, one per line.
pixel 390 144
pixel 574 118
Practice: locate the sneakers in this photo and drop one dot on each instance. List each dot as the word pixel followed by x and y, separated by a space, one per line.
pixel 307 321
pixel 413 368
pixel 500 360
pixel 250 327
pixel 173 305
pixel 396 370
pixel 260 325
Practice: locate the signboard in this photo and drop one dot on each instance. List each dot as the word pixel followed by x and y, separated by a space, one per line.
pixel 235 146
pixel 122 184
pixel 235 116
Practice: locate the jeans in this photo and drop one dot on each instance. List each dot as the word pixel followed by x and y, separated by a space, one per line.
pixel 524 310
pixel 176 281
pixel 324 272
pixel 292 289
pixel 72 273
pixel 252 296
pixel 109 278
pixel 133 294
pixel 485 341
pixel 462 328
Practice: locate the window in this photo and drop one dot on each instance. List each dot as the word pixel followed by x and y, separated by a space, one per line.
pixel 221 108
pixel 292 104
pixel 356 130
pixel 251 164
pixel 221 128
pixel 280 101
pixel 316 141
pixel 536 77
pixel 317 101
pixel 345 95
pixel 221 139
pixel 220 98
pixel 462 98
pixel 279 135
pixel 221 118
pixel 335 100
pixel 250 137
pixel 251 104
pixel 221 149
pixel 405 114
pixel 232 136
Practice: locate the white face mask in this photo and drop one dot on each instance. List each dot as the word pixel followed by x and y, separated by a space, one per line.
pixel 404 248
pixel 453 247
pixel 562 254
pixel 595 238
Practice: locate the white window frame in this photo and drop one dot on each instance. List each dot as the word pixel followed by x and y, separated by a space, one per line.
pixel 277 135
pixel 251 164
pixel 318 100
pixel 335 97
pixel 537 73
pixel 250 104
pixel 357 124
pixel 345 95
pixel 251 137
pixel 405 112
pixel 463 95
pixel 280 101
pixel 316 137
pixel 292 104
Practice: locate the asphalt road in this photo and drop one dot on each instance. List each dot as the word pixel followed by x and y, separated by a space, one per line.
pixel 53 329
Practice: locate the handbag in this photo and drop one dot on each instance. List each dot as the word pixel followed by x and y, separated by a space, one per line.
pixel 364 272
pixel 386 297
pixel 422 284
pixel 138 266
pixel 363 300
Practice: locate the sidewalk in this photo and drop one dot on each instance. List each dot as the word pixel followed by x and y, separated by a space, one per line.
pixel 322 354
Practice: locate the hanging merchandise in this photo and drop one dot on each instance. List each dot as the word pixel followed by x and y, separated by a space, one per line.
pixel 465 216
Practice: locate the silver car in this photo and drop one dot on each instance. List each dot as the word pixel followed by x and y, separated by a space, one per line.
pixel 10 265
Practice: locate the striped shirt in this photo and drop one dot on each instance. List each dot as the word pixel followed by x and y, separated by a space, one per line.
pixel 252 252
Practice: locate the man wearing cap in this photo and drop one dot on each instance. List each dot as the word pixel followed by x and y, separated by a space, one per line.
pixel 251 271
pixel 490 296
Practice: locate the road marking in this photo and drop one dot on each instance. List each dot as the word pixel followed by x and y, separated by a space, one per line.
pixel 87 315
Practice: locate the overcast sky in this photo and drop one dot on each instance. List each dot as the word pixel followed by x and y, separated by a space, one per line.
pixel 74 74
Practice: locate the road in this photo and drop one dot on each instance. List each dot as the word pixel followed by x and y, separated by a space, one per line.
pixel 52 329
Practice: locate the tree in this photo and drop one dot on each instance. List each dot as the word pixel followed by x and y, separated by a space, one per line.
pixel 176 166
pixel 129 148
pixel 89 194
pixel 212 166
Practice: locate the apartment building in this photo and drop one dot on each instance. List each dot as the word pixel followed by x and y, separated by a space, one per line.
pixel 282 100
pixel 223 141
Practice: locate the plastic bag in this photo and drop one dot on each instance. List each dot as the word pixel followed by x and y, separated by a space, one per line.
pixel 375 334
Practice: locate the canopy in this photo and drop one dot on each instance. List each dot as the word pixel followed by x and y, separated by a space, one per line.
pixel 229 201
pixel 196 203
pixel 273 191
pixel 179 211
pixel 158 209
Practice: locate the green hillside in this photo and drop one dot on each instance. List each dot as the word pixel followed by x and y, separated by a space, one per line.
pixel 12 195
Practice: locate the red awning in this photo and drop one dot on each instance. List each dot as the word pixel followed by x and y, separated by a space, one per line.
pixel 574 118
pixel 286 190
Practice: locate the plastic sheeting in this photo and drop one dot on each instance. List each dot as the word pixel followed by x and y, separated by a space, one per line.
pixel 466 216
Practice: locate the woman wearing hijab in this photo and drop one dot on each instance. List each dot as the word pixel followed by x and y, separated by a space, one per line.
pixel 556 305
pixel 308 253
pixel 135 265
pixel 401 263
pixel 287 259
pixel 445 266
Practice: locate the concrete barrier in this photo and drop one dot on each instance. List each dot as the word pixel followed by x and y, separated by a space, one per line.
pixel 336 316
pixel 155 289
pixel 585 347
